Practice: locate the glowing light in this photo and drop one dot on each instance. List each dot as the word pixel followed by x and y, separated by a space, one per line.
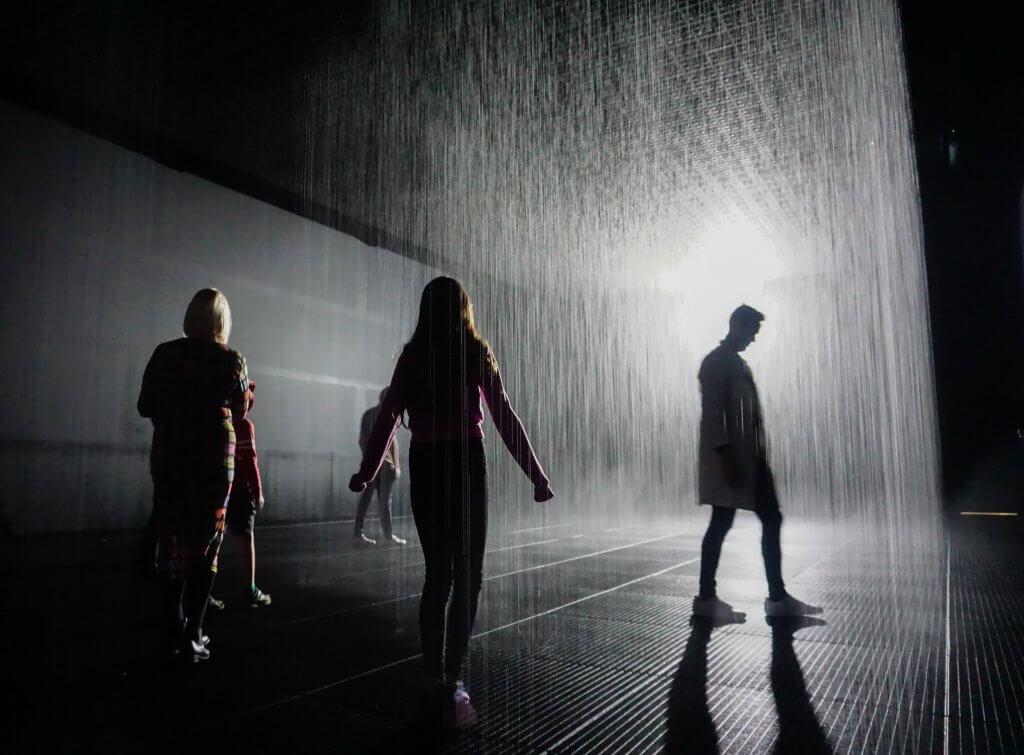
pixel 728 266
pixel 988 513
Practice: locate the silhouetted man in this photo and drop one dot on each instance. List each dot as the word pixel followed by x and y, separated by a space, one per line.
pixel 733 467
pixel 381 486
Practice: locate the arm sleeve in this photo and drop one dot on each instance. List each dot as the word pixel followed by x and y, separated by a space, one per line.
pixel 388 417
pixel 256 478
pixel 247 469
pixel 394 452
pixel 241 394
pixel 714 395
pixel 509 426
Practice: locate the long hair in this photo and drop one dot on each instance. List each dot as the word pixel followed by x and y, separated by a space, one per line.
pixel 208 316
pixel 446 321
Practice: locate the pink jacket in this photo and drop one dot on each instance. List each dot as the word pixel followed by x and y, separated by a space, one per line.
pixel 443 398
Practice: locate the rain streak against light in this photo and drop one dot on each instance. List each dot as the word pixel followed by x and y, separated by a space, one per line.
pixel 611 179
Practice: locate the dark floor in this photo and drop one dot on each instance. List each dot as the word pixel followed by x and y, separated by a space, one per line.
pixel 583 644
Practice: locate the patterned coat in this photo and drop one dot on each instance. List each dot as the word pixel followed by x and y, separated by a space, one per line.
pixel 189 389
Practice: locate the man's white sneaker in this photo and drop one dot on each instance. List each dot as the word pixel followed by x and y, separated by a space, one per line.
pixel 712 608
pixel 789 606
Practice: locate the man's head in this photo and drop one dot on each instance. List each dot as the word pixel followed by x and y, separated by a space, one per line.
pixel 383 395
pixel 744 323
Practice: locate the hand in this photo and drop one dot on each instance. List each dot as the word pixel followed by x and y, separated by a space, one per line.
pixel 543 492
pixel 260 503
pixel 398 473
pixel 358 483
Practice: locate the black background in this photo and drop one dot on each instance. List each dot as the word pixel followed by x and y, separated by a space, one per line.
pixel 966 76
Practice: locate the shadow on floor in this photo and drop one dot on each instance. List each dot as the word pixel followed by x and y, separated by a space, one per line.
pixel 691 727
pixel 115 692
pixel 799 730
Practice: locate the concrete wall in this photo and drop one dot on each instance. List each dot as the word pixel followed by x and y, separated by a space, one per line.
pixel 102 249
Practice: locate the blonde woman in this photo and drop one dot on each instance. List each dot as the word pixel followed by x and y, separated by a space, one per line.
pixel 189 390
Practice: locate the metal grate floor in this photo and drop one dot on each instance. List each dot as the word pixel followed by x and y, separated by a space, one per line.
pixel 584 643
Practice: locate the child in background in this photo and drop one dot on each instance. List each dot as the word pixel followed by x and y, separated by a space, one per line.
pixel 246 498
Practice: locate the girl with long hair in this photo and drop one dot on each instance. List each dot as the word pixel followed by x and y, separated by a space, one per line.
pixel 439 379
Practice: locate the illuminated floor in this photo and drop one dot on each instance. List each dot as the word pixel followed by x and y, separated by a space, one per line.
pixel 583 645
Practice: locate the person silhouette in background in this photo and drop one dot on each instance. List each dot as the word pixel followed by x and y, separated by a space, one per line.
pixel 439 379
pixel 190 388
pixel 733 470
pixel 390 471
pixel 246 498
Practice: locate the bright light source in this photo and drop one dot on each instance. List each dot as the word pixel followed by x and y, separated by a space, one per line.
pixel 729 266
pixel 734 262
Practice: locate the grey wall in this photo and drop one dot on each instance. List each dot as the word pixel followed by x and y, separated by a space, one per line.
pixel 102 250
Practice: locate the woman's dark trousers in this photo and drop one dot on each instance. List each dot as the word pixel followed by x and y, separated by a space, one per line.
pixel 448 493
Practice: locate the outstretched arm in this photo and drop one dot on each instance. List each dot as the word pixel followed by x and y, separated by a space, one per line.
pixel 395 456
pixel 242 388
pixel 247 469
pixel 250 398
pixel 383 431
pixel 512 432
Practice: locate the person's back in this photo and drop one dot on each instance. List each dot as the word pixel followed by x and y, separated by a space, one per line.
pixel 439 380
pixel 189 389
pixel 188 379
pixel 442 388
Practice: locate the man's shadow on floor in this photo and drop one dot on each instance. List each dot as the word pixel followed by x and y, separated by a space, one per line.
pixel 799 730
pixel 691 728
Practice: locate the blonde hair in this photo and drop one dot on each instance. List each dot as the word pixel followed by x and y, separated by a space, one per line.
pixel 208 316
